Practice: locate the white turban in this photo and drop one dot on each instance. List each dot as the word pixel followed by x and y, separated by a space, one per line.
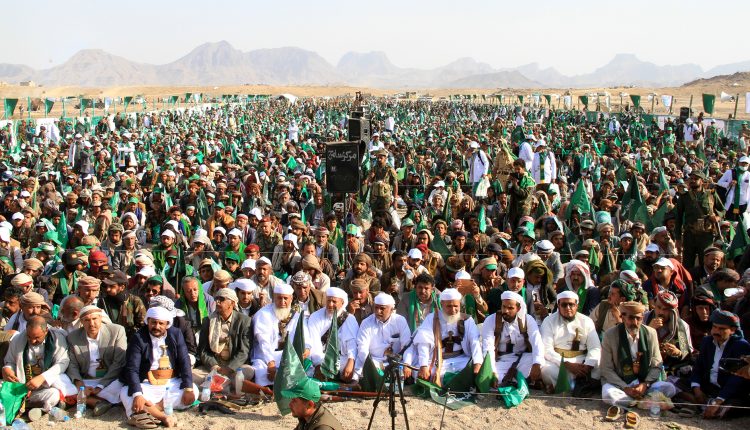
pixel 583 268
pixel 567 295
pixel 89 310
pixel 510 295
pixel 462 274
pixel 243 284
pixel 283 289
pixel 450 294
pixel 385 299
pixel 161 314
pixel 338 293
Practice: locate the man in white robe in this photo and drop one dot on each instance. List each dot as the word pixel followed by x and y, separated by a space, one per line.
pixel 382 333
pixel 319 328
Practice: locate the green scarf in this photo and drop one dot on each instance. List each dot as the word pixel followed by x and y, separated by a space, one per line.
pixel 202 308
pixel 64 284
pixel 414 308
pixel 542 159
pixel 626 360
pixel 738 174
pixel 581 297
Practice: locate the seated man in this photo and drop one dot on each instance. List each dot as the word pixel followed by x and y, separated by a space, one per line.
pixel 144 400
pixel 708 379
pixel 569 337
pixel 246 290
pixel 195 303
pixel 97 357
pixel 306 297
pixel 38 358
pixel 458 339
pixel 32 304
pixel 673 334
pixel 631 360
pixel 512 339
pixel 416 304
pixel 319 328
pixel 382 333
pixel 361 304
pixel 119 305
pixel 224 343
pixel 578 280
pixel 88 290
pixel 607 313
pixel 274 325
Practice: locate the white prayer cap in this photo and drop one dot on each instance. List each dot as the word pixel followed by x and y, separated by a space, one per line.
pixel 25 193
pixel 88 310
pixel 415 254
pixel 439 184
pixel 658 230
pixel 291 237
pixel 462 274
pixel 221 230
pixel 473 145
pixel 664 262
pixel 174 224
pixel 745 159
pixel 530 137
pixel 385 299
pixel 78 136
pixel 17 216
pixel 6 225
pixel 539 143
pixel 203 168
pixel 339 293
pixel 235 232
pixel 4 234
pixel 168 233
pixel 147 271
pixel 450 294
pixel 652 247
pixel 283 289
pixel 263 260
pixel 84 225
pixel 248 264
pixel 161 314
pixel 626 235
pixel 510 295
pixel 567 295
pixel 244 285
pixel 545 246
pixel 516 272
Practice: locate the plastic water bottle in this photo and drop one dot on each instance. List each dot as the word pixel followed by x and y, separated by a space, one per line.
pixel 205 394
pixel 58 414
pixel 19 424
pixel 239 379
pixel 80 403
pixel 168 408
pixel 654 409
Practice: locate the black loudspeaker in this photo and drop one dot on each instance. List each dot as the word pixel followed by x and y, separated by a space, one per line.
pixel 342 167
pixel 684 114
pixel 359 130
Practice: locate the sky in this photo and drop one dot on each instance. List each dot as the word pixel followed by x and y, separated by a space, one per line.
pixel 574 36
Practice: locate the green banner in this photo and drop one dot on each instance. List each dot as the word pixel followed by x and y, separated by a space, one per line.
pixel 87 103
pixel 10 106
pixel 188 97
pixel 173 100
pixel 126 101
pixel 548 97
pixel 708 103
pixel 584 101
pixel 636 99
pixel 48 103
pixel 520 99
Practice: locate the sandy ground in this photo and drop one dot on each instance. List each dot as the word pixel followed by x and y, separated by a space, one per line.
pixel 547 414
pixel 682 95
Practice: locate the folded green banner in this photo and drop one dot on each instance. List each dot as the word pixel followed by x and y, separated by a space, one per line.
pixel 636 99
pixel 708 103
pixel 10 106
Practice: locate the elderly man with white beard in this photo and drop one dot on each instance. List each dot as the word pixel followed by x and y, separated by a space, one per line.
pixel 319 328
pixel 447 340
pixel 274 325
pixel 512 339
pixel 382 333
pixel 569 337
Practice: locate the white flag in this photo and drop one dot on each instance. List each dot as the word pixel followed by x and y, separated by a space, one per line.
pixel 747 102
pixel 666 101
pixel 567 101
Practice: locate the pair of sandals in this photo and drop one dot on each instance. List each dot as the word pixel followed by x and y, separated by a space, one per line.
pixel 632 419
pixel 143 420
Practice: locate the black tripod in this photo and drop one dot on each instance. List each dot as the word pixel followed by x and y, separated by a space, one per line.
pixel 393 378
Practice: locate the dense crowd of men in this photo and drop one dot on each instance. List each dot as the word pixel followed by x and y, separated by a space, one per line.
pixel 146 252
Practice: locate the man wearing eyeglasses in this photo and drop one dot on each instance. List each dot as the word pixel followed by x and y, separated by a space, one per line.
pixel 570 340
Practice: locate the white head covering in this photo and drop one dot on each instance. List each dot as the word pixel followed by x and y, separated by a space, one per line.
pixel 567 295
pixel 510 295
pixel 88 310
pixel 161 314
pixel 339 293
pixel 248 264
pixel 516 272
pixel 283 289
pixel 462 275
pixel 385 299
pixel 585 271
pixel 415 254
pixel 450 294
pixel 243 284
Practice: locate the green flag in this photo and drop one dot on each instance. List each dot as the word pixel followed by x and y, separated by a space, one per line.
pixel 663 183
pixel 584 101
pixel 331 360
pixel 438 245
pixel 48 103
pixel 299 336
pixel 739 241
pixel 10 106
pixel 594 260
pixel 563 381
pixel 12 395
pixel 636 99
pixel 485 377
pixel 482 219
pixel 202 205
pixel 657 219
pixel 288 375
pixel 126 101
pixel 580 200
pixel 62 230
pixel 708 103
pixel 372 376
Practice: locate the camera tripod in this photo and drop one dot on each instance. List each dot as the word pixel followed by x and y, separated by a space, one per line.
pixel 393 378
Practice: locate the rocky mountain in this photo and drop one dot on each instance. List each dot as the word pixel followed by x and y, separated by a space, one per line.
pixel 220 63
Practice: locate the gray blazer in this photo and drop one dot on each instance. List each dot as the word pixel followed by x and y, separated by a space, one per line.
pixel 14 357
pixel 112 346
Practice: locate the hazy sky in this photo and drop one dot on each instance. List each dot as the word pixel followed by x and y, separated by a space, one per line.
pixel 574 36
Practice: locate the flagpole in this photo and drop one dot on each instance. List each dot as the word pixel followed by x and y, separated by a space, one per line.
pixel 28 104
pixel 736 101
